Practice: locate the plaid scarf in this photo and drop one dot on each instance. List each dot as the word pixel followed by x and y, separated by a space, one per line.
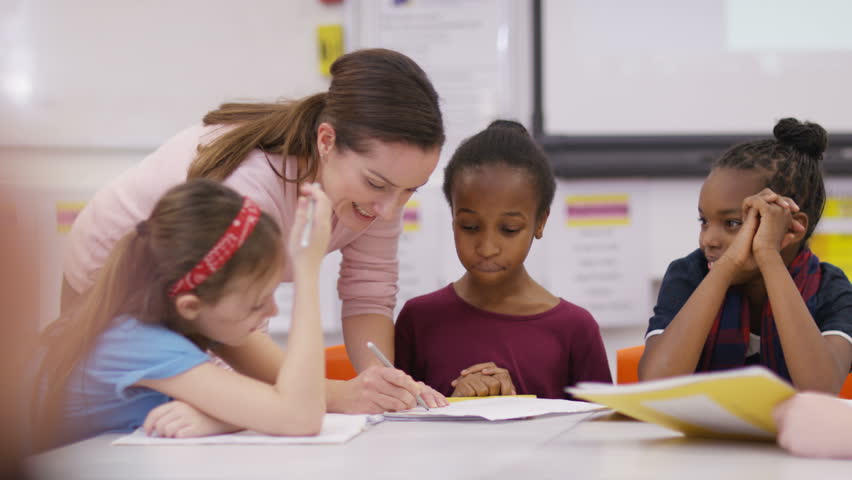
pixel 727 342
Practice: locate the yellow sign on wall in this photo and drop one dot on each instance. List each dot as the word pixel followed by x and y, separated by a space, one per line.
pixel 411 216
pixel 838 207
pixel 597 210
pixel 835 247
pixel 330 43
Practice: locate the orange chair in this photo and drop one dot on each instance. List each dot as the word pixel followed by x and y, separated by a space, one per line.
pixel 627 364
pixel 337 364
pixel 627 369
pixel 846 390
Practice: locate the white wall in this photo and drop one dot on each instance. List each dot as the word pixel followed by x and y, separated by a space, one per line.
pixel 101 73
pixel 91 87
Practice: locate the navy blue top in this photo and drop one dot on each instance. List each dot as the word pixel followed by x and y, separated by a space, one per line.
pixel 833 300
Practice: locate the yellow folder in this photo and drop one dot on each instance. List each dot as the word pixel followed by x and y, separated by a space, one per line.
pixel 462 399
pixel 734 404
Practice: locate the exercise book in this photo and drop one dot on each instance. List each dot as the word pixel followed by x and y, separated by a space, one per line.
pixel 336 428
pixel 497 408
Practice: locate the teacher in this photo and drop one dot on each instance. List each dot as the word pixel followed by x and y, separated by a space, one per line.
pixel 371 140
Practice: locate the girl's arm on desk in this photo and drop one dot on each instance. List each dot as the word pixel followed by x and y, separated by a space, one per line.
pixel 815 425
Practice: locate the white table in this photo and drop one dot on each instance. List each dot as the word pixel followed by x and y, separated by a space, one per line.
pixel 555 447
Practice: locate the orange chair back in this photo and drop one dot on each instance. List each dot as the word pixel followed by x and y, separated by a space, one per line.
pixel 627 369
pixel 627 364
pixel 846 391
pixel 337 364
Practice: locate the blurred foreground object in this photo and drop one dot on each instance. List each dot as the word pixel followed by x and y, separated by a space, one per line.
pixel 19 306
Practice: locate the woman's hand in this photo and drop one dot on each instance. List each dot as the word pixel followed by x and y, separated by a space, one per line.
pixel 482 380
pixel 308 251
pixel 177 419
pixel 431 396
pixel 382 389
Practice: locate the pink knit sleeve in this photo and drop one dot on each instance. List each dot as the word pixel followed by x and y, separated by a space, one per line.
pixel 369 271
pixel 117 207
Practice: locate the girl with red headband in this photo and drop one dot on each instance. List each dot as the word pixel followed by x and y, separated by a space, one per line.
pixel 197 275
pixel 371 140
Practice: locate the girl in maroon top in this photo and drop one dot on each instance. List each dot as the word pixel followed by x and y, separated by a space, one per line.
pixel 496 331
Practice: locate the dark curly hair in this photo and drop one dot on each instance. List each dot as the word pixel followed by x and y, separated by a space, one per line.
pixel 791 162
pixel 508 143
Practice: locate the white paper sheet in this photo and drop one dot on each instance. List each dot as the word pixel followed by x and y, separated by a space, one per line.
pixel 336 428
pixel 500 408
pixel 702 411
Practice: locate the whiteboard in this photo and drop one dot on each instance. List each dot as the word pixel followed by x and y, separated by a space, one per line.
pixel 475 52
pixel 122 74
pixel 663 67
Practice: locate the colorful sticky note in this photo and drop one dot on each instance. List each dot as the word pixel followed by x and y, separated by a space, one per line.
pixel 411 216
pixel 66 213
pixel 599 210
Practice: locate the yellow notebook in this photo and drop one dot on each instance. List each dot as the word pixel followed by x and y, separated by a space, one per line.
pixel 731 404
pixel 462 399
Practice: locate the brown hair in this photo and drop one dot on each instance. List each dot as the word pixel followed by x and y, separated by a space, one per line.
pixel 375 94
pixel 185 223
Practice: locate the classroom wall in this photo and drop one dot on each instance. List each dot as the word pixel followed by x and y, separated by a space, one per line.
pixel 64 161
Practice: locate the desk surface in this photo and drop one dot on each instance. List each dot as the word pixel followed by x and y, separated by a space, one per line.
pixel 555 447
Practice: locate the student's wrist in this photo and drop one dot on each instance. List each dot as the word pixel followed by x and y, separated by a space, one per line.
pixel 766 257
pixel 726 269
pixel 335 391
pixel 306 270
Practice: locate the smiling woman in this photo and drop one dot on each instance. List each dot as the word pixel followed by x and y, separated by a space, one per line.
pixel 369 141
pixel 375 184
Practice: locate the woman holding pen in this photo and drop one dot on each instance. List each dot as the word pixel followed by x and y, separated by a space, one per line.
pixel 370 141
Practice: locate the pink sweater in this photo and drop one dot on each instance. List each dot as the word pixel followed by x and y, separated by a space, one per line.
pixel 368 271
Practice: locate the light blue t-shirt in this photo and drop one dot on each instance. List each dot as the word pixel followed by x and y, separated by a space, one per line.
pixel 100 397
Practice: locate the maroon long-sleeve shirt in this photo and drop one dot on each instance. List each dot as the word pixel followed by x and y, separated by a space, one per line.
pixel 439 334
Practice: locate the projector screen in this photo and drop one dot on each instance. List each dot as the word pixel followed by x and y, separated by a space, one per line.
pixel 697 67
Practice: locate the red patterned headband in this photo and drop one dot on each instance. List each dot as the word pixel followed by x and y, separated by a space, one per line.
pixel 222 251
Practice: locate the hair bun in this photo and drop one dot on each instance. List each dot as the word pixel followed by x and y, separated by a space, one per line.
pixel 508 124
pixel 809 138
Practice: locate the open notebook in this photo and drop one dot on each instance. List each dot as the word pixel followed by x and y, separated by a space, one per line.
pixel 496 408
pixel 731 404
pixel 336 428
